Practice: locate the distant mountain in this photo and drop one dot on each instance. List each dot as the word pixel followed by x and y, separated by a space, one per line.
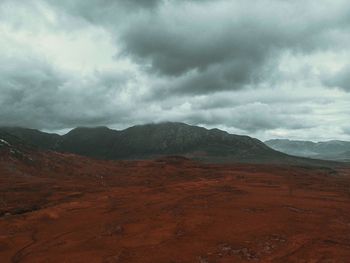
pixel 32 137
pixel 154 140
pixel 329 150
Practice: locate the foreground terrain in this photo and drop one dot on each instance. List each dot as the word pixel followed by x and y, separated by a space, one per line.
pixel 65 208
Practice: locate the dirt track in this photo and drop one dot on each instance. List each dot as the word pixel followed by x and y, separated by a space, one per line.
pixel 172 210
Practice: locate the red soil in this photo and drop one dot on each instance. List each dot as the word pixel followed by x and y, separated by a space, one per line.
pixel 65 208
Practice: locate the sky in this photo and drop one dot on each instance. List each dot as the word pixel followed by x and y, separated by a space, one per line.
pixel 264 68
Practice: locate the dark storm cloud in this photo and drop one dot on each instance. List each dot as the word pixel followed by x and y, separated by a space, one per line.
pixel 226 49
pixel 38 95
pixel 174 51
pixel 208 46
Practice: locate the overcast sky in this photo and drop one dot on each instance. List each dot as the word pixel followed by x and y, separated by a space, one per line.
pixel 265 68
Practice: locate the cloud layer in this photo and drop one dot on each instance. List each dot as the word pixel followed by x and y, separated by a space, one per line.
pixel 266 68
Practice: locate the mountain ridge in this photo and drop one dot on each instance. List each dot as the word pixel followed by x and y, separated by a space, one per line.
pixel 158 139
pixel 337 150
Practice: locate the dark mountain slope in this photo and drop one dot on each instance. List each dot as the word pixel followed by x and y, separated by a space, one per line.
pixel 94 142
pixel 33 137
pixel 13 148
pixel 179 138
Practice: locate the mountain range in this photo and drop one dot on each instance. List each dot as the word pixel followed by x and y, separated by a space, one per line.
pixel 155 140
pixel 328 150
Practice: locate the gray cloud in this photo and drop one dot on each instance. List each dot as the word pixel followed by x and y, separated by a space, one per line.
pixel 266 68
pixel 341 79
pixel 232 75
pixel 227 49
pixel 346 130
pixel 103 11
pixel 35 94
pixel 251 118
pixel 234 45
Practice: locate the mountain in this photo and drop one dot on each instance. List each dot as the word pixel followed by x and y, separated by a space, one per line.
pixel 154 140
pixel 32 137
pixel 12 147
pixel 328 150
pixel 96 142
pixel 183 139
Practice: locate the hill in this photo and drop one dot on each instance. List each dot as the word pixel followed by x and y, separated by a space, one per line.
pixel 39 139
pixel 328 150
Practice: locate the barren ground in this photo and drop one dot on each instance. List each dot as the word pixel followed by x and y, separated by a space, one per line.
pixel 73 209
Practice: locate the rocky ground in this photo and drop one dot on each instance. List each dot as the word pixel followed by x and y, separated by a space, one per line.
pixel 64 208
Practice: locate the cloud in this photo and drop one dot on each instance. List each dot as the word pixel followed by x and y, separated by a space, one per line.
pixel 265 68
pixel 235 45
pixel 232 45
pixel 103 12
pixel 346 130
pixel 53 78
pixel 36 94
pixel 340 79
pixel 250 118
pixel 227 76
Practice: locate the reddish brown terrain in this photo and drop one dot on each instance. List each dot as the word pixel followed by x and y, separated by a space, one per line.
pixel 65 208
